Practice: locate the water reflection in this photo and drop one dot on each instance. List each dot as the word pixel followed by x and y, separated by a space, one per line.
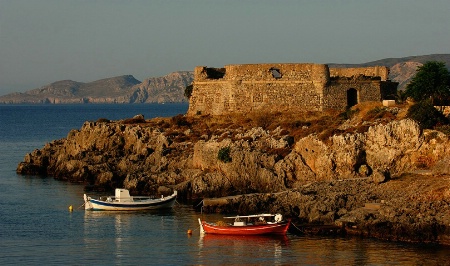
pixel 109 232
pixel 120 237
pixel 267 249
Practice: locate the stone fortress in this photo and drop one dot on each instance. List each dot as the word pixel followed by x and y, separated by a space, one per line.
pixel 285 87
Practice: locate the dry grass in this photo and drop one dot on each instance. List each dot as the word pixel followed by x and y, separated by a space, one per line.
pixel 296 125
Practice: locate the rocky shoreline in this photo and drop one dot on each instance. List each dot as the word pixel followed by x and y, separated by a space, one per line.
pixel 411 208
pixel 391 181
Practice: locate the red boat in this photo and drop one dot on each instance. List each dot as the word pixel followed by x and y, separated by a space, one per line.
pixel 259 224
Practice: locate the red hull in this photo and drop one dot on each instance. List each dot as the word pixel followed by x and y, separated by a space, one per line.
pixel 265 229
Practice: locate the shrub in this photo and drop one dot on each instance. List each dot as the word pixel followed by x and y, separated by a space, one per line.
pixel 444 129
pixel 103 120
pixel 426 115
pixel 348 114
pixel 180 120
pixel 224 154
pixel 263 120
pixel 134 120
pixel 375 113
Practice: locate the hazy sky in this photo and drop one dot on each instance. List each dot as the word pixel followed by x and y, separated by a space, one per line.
pixel 42 41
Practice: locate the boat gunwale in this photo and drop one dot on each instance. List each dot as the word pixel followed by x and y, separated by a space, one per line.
pixel 149 204
pixel 279 228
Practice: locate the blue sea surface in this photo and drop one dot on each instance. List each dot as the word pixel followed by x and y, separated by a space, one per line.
pixel 36 227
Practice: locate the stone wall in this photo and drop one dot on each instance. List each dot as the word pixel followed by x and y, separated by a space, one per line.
pixel 281 87
pixel 376 71
pixel 337 93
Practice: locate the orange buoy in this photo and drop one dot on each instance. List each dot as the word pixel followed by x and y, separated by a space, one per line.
pixel 189 231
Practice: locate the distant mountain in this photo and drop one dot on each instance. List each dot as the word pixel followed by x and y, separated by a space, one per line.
pixel 170 88
pixel 121 89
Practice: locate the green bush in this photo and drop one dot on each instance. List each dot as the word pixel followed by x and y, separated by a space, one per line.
pixel 224 154
pixel 426 115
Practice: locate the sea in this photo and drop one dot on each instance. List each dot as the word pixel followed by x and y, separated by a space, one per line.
pixel 37 228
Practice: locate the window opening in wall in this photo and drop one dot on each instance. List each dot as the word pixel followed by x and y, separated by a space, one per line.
pixel 275 72
pixel 215 73
pixel 352 97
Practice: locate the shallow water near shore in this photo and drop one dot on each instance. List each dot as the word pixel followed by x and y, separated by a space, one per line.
pixel 36 226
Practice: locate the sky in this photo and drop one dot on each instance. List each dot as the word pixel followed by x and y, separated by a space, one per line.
pixel 43 41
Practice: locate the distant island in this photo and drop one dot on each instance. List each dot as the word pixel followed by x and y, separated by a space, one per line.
pixel 170 88
pixel 122 89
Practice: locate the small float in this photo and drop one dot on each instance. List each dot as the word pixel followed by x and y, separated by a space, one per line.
pixel 122 201
pixel 258 224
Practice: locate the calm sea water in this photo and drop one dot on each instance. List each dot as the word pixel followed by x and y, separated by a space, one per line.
pixel 36 227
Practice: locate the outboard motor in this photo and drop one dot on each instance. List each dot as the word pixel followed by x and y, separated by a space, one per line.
pixel 278 217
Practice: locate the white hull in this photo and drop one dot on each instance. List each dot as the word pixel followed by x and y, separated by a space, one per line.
pixel 130 204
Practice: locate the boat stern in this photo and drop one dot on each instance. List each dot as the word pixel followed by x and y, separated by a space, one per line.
pixel 202 231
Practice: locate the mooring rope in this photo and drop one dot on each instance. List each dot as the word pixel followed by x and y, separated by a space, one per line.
pixel 199 204
pixel 82 205
pixel 296 227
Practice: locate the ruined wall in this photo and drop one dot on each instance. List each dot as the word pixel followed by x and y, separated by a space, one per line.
pixel 376 71
pixel 255 87
pixel 336 94
pixel 281 87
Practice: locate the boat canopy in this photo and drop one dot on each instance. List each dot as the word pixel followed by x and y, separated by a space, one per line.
pixel 122 193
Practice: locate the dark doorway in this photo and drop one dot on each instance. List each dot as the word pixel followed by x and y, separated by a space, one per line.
pixel 352 97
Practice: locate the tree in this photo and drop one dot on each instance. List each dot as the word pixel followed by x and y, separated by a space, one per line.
pixel 426 115
pixel 432 81
pixel 401 96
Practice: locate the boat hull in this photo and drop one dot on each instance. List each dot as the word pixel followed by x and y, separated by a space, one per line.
pixel 265 229
pixel 151 204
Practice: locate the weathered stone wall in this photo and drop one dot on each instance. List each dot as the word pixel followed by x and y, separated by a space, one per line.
pixel 281 87
pixel 376 71
pixel 335 95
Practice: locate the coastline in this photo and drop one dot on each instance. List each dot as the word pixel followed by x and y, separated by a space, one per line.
pixel 312 180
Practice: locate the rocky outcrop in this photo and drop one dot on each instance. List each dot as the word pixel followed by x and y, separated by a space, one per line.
pixel 413 208
pixel 166 89
pixel 315 181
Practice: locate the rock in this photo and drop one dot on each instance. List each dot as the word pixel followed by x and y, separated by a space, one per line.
pixel 364 170
pixel 378 177
pixel 139 117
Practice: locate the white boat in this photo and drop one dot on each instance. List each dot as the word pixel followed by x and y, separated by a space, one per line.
pixel 122 201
